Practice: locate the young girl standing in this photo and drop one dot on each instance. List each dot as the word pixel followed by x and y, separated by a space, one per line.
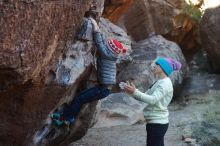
pixel 158 97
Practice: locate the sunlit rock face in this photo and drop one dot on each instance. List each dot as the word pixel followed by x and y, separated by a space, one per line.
pixel 164 18
pixel 209 29
pixel 145 17
pixel 185 32
pixel 114 9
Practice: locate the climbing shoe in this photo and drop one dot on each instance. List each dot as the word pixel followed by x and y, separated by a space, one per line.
pixel 57 118
pixel 58 122
pixel 55 115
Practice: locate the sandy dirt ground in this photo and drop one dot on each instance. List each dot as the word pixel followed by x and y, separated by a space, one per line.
pixel 194 121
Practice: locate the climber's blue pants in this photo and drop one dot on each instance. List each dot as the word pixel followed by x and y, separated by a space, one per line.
pixel 86 96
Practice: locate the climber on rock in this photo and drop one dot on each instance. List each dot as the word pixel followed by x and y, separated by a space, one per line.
pixel 109 51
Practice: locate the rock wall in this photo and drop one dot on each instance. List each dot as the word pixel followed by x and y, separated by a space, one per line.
pixel 209 29
pixel 43 66
pixel 34 35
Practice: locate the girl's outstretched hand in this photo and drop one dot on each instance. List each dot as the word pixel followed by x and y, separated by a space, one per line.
pixel 129 88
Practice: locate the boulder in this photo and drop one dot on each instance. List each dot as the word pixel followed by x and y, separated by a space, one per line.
pixel 119 109
pixel 209 30
pixel 147 16
pixel 33 33
pixel 41 66
pixel 144 53
pixel 143 17
pixel 167 18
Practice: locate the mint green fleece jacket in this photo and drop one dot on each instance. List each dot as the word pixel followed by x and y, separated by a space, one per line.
pixel 158 98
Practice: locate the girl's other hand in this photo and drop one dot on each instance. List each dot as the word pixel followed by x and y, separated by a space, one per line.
pixel 129 88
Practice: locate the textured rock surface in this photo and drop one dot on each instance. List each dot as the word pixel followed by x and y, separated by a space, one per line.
pixel 33 33
pixel 147 16
pixel 47 69
pixel 210 36
pixel 33 37
pixel 120 109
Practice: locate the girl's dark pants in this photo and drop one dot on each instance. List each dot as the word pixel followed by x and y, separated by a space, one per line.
pixel 155 134
pixel 86 96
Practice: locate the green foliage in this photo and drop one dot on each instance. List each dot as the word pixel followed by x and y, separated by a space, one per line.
pixel 192 10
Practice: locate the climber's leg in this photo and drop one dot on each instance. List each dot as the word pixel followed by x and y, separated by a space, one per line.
pixel 84 97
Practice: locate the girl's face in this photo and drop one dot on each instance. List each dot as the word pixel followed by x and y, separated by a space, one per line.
pixel 156 69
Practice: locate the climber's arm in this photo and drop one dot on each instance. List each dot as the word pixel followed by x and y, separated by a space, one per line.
pixel 99 39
